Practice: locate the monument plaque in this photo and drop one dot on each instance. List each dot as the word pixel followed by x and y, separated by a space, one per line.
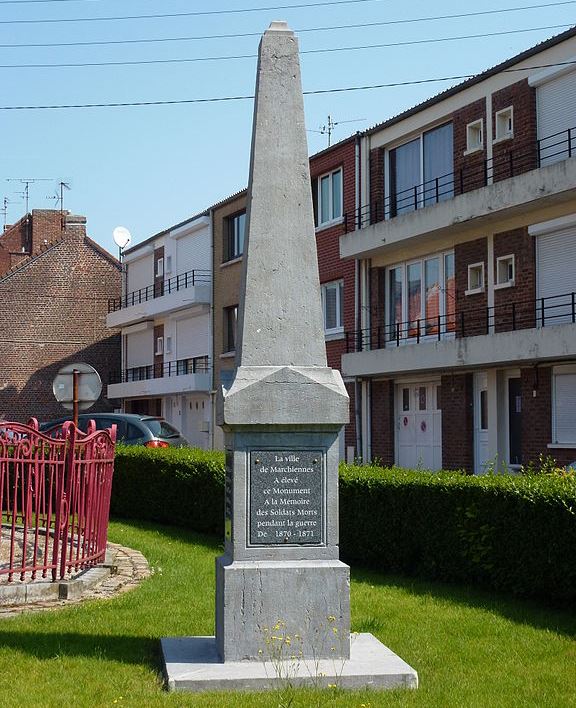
pixel 286 497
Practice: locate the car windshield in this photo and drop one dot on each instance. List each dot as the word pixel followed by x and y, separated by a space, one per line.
pixel 161 429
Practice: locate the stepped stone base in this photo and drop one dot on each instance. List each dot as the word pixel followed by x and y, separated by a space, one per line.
pixel 193 664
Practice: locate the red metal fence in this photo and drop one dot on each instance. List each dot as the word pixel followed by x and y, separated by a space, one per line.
pixel 54 499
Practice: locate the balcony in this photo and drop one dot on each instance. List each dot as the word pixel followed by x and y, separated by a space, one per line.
pixel 511 185
pixel 172 377
pixel 191 289
pixel 510 333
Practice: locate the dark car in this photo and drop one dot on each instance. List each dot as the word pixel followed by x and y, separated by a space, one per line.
pixel 131 428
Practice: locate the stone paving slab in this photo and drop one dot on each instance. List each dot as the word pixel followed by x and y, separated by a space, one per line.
pixel 125 568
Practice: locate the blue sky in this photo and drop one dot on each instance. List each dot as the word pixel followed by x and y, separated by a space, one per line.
pixel 147 168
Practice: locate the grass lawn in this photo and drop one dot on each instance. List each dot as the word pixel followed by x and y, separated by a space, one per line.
pixel 471 649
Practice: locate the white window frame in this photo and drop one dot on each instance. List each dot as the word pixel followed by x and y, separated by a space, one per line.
pixel 504 124
pixel 338 286
pixel 474 136
pixel 159 346
pixel 331 218
pixel 557 372
pixel 168 264
pixel 442 277
pixel 167 345
pixel 159 268
pixel 478 289
pixel 509 282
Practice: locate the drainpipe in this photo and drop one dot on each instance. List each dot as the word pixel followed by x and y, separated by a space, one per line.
pixel 211 338
pixel 357 299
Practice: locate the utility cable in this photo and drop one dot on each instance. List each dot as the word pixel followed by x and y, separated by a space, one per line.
pixel 223 99
pixel 278 7
pixel 140 62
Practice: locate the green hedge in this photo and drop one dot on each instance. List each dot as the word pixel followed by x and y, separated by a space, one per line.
pixel 516 534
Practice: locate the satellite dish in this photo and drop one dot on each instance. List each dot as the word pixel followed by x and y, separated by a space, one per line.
pixel 121 236
pixel 89 386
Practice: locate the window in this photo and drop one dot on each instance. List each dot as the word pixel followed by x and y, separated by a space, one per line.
pixel 505 271
pixel 230 325
pixel 333 306
pixel 475 278
pixel 168 345
pixel 159 346
pixel 564 407
pixel 421 297
pixel 405 399
pixel 168 268
pixel 159 267
pixel 421 171
pixel 475 136
pixel 235 229
pixel 328 197
pixel 504 124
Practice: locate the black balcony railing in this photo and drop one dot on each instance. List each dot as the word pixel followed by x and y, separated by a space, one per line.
pixel 504 317
pixel 180 367
pixel 480 173
pixel 160 288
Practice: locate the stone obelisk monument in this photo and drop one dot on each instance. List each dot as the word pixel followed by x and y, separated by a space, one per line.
pixel 282 594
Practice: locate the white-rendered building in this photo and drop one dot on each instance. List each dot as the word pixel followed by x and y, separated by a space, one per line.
pixel 164 314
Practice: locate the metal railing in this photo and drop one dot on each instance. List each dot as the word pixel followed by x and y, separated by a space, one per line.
pixel 480 173
pixel 54 499
pixel 180 367
pixel 504 317
pixel 160 288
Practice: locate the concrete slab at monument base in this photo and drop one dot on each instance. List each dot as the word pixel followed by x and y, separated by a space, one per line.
pixel 192 664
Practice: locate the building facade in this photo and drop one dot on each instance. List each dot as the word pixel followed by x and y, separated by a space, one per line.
pixel 55 284
pixel 465 242
pixel 165 320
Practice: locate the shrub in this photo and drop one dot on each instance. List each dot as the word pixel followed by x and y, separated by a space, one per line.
pixel 181 486
pixel 512 533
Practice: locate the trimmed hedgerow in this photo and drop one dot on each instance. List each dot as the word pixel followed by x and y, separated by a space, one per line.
pixel 512 533
pixel 180 486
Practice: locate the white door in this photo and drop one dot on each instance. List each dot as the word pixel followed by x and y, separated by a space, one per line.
pixel 419 426
pixel 481 460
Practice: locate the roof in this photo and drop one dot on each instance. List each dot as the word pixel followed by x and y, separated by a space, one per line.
pixel 166 231
pixel 526 54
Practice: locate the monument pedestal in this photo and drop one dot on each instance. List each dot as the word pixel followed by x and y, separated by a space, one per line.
pixel 193 664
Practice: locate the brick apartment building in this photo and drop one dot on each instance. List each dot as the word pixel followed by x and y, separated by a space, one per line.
pixel 465 244
pixel 164 317
pixel 55 283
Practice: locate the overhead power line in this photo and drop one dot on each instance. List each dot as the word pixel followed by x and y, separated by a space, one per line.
pixel 186 60
pixel 222 99
pixel 197 13
pixel 362 25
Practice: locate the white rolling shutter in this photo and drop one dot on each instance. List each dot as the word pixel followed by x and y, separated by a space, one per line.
pixel 192 337
pixel 565 408
pixel 556 274
pixel 193 252
pixel 556 109
pixel 139 349
pixel 140 274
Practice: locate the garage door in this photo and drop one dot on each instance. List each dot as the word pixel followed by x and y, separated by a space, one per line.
pixel 555 259
pixel 418 426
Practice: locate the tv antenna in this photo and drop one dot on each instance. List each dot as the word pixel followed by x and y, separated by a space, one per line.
pixel 27 181
pixel 4 209
pixel 328 127
pixel 58 198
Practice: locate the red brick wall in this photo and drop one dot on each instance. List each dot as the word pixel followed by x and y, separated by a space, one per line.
pixel 377 307
pixel 468 169
pixel 382 420
pixel 537 418
pixel 456 402
pixel 158 279
pixel 523 294
pixel 376 186
pixel 330 265
pixel 518 154
pixel 158 358
pixel 30 233
pixel 54 313
pixel 471 307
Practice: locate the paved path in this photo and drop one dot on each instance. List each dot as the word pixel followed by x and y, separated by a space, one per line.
pixel 132 569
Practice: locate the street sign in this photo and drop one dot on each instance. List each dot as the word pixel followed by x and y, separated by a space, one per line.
pixel 89 386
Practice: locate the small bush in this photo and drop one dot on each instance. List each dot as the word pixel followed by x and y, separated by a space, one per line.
pixel 181 486
pixel 513 533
